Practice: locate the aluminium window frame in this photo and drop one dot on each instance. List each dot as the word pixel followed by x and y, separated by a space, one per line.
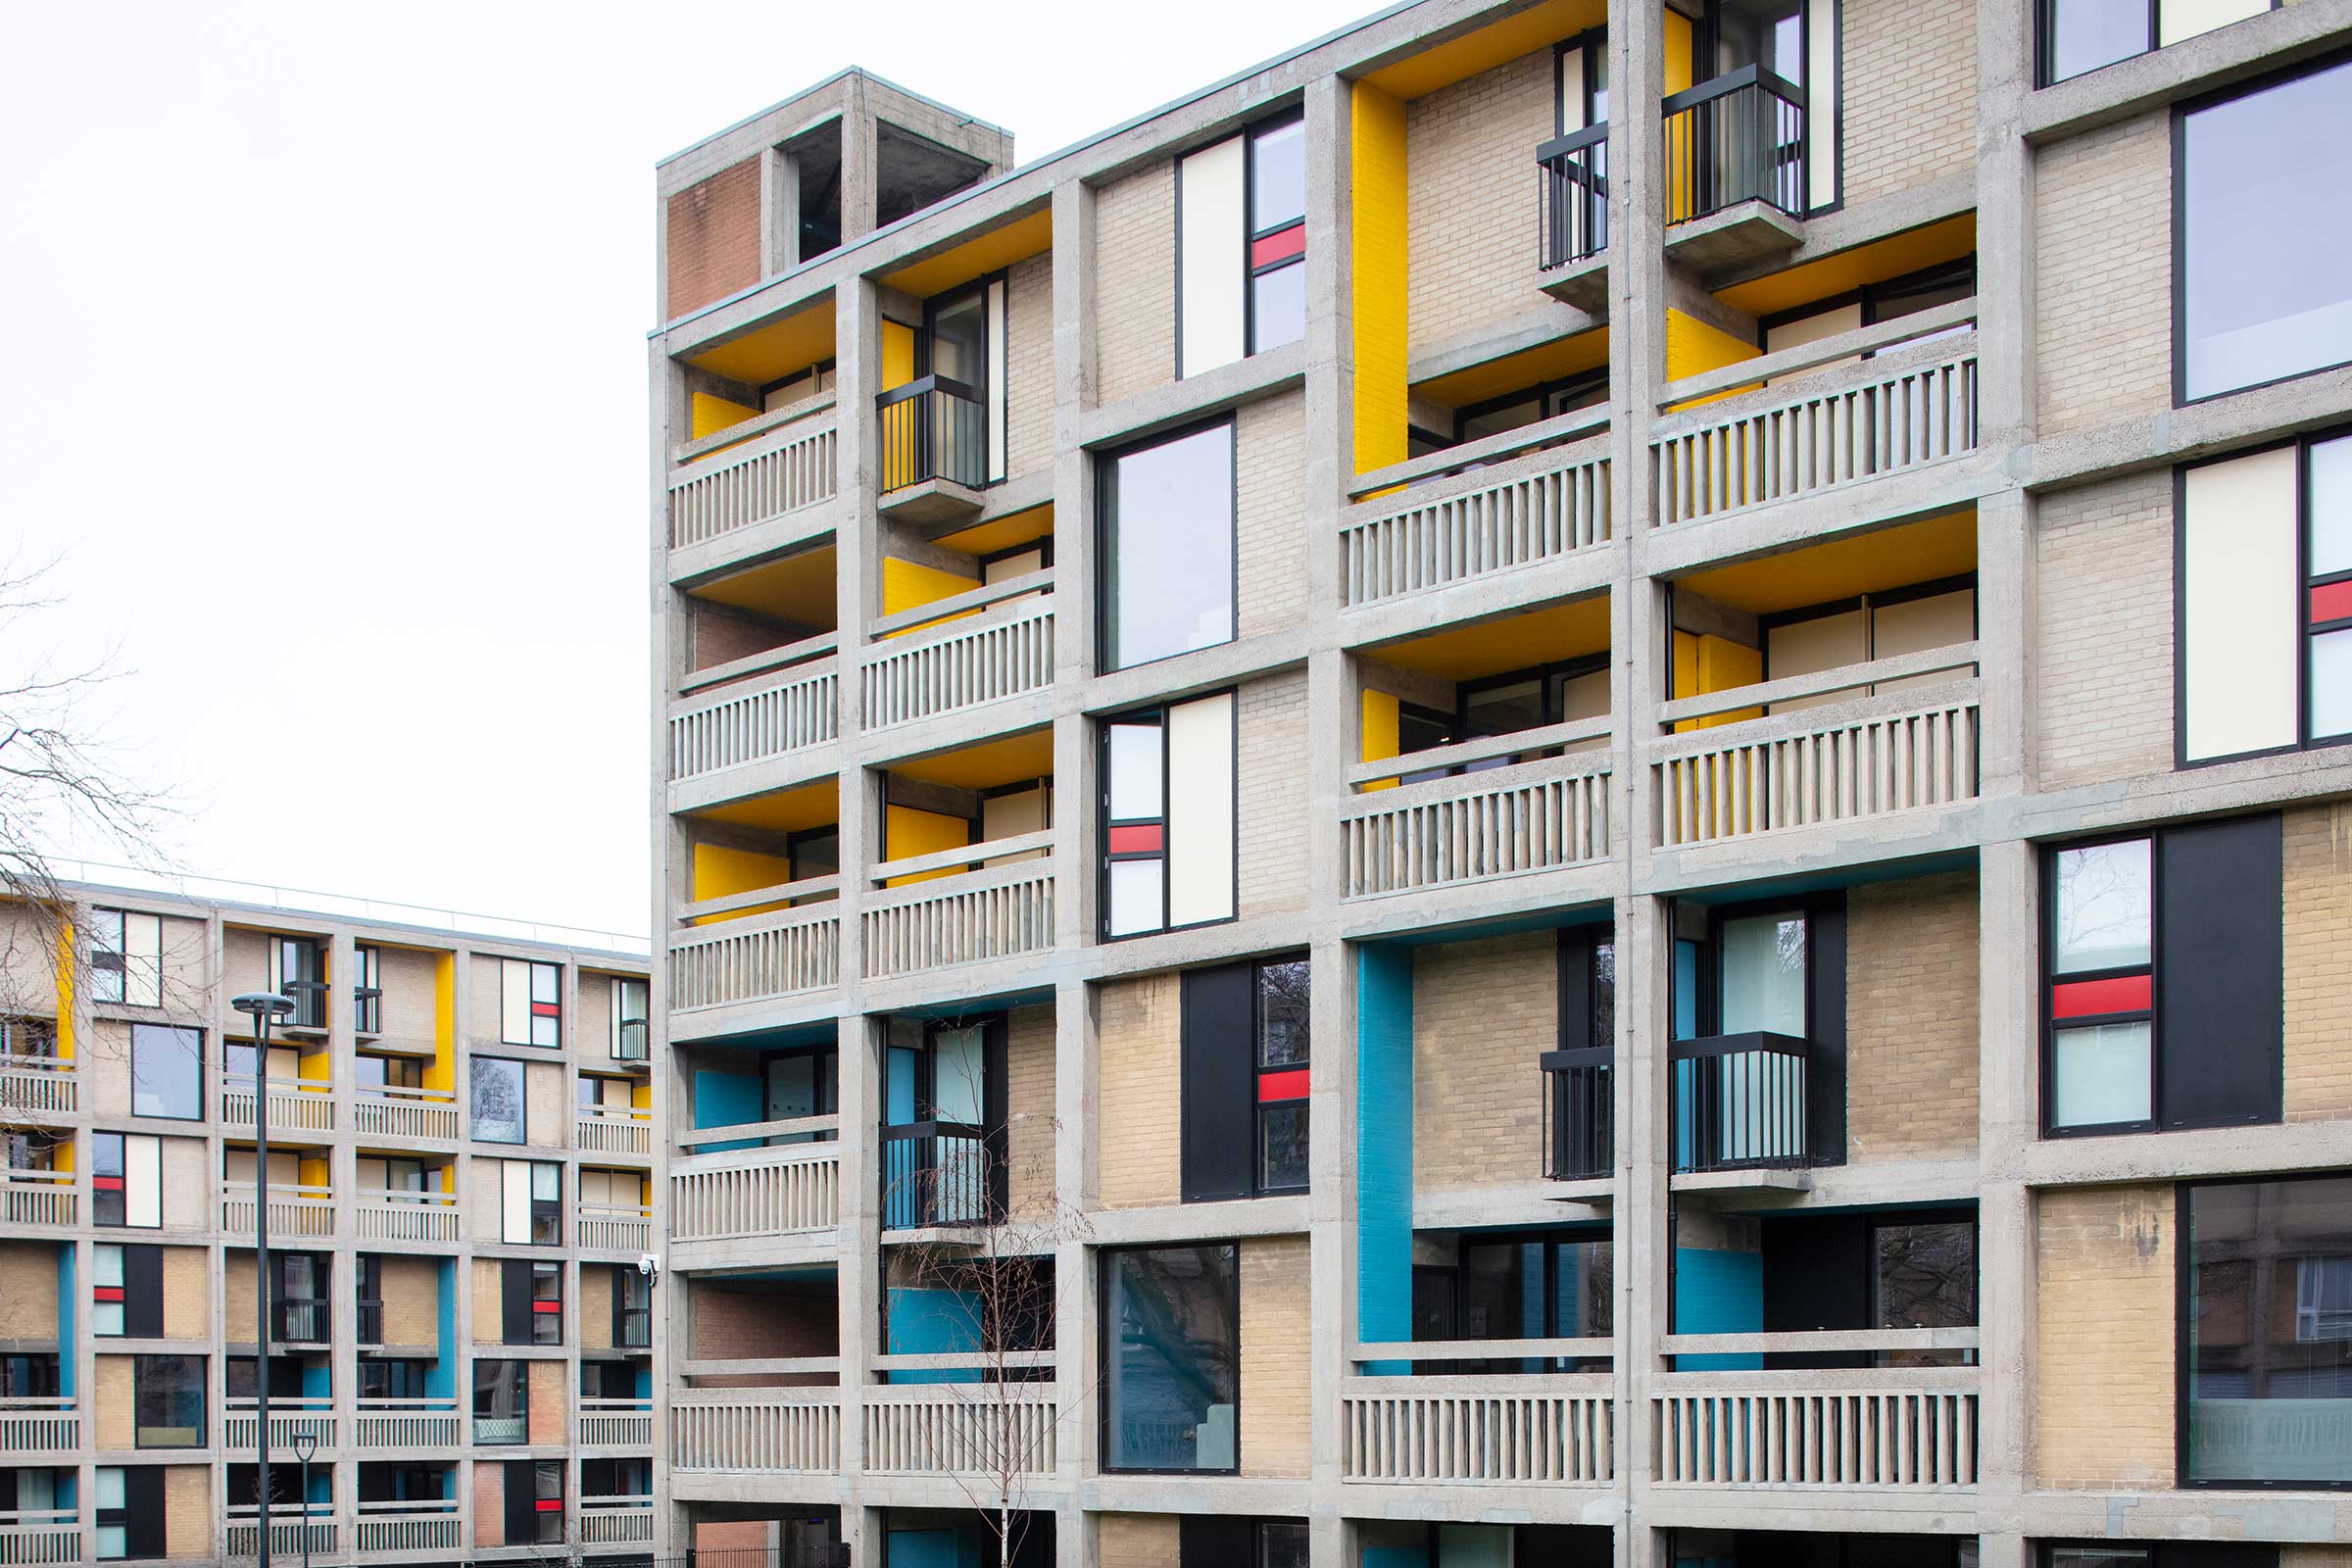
pixel 2046 1065
pixel 1704 40
pixel 1594 44
pixel 197 1115
pixel 1251 234
pixel 367 988
pixel 1104 856
pixel 203 1393
pixel 1872 295
pixel 1259 1072
pixel 971 288
pixel 2045 16
pixel 1106 1261
pixel 1106 524
pixel 523 1135
pixel 1771 621
pixel 1543 392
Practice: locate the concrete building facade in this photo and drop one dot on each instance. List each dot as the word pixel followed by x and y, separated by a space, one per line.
pixel 1552 786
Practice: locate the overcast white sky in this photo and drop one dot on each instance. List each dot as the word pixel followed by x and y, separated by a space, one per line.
pixel 324 377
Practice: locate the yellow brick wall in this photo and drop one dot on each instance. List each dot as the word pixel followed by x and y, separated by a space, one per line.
pixel 1277 1344
pixel 1908 72
pixel 2104 1338
pixel 489 1301
pixel 1471 198
pixel 28 1290
pixel 1138 1540
pixel 107 1073
pixel 1270 793
pixel 188 1188
pixel 239 1304
pixel 547 1110
pixel 1483 1012
pixel 411 1294
pixel 187 1294
pixel 486 1216
pixel 1029 365
pixel 2103 258
pixel 596 1307
pixel 547 1429
pixel 489 1503
pixel 1029 1183
pixel 2317 916
pixel 1134 283
pixel 1270 446
pixel 1911 1018
pixel 113 1408
pixel 2103 626
pixel 188 1511
pixel 2315 1558
pixel 1139 1025
pixel 483 1003
pixel 407 979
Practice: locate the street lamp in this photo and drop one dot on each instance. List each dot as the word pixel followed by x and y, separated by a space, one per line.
pixel 306 1443
pixel 263 1006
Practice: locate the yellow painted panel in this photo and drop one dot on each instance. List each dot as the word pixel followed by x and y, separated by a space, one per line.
pixel 1871 562
pixel 713 413
pixel 908 584
pixel 1381 737
pixel 906 831
pixel 65 990
pixel 719 871
pixel 991 252
pixel 1028 755
pixel 1677 60
pixel 61 1153
pixel 1546 362
pixel 313 1171
pixel 1892 257
pixel 1724 666
pixel 1558 631
pixel 1692 346
pixel 441 1072
pixel 1377 125
pixel 798 588
pixel 784 810
pixel 897 354
pixel 776 351
pixel 641 1095
pixel 315 1065
pixel 1002 533
pixel 1482 49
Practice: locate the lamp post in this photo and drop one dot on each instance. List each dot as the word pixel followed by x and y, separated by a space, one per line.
pixel 263 1006
pixel 306 1443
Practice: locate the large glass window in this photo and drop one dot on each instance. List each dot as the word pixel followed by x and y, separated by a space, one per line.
pixel 2078 35
pixel 1169 842
pixel 531 1002
pixel 1923 1275
pixel 498 1104
pixel 1171 1322
pixel 2268 1321
pixel 167 1073
pixel 2264 227
pixel 1277 235
pixel 1167 543
pixel 167 1401
pixel 502 1401
pixel 2102 992
pixel 127 957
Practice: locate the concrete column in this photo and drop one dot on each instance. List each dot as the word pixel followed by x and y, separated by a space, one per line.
pixel 779 212
pixel 860 163
pixel 2009 919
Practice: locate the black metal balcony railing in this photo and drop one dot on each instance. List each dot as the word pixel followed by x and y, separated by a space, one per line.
pixel 368 1010
pixel 1577 1121
pixel 301 1319
pixel 1738 138
pixel 309 1004
pixel 1739 1102
pixel 933 428
pixel 632 1046
pixel 372 1322
pixel 1575 221
pixel 635 1331
pixel 940 1174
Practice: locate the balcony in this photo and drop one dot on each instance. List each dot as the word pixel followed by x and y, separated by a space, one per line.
pixel 633 1045
pixel 1579 1115
pixel 31 1426
pixel 1906 1429
pixel 937 1174
pixel 792 1190
pixel 500 1431
pixel 613 1227
pixel 1735 168
pixel 615 1423
pixel 613 1132
pixel 967 916
pixel 963 1429
pixel 934 440
pixel 1483 823
pixel 295 1212
pixel 38 1198
pixel 772 1431
pixel 290 1420
pixel 406 1424
pixel 429 1115
pixel 38 1086
pixel 761 471
pixel 407 1527
pixel 1519 1429
pixel 296 1106
pixel 755 721
pixel 1575 216
pixel 380 1215
pixel 1739 1103
pixel 40 1536
pixel 296 1530
pixel 301 1319
pixel 1000 644
pixel 616 1521
pixel 757 958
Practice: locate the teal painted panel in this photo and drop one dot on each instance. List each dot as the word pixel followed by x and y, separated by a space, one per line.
pixel 1718 1293
pixel 440 1379
pixel 933 1322
pixel 1384 1143
pixel 726 1100
pixel 66 1298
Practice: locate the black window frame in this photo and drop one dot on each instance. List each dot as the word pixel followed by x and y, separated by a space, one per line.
pixel 1155 716
pixel 499 1367
pixel 1705 42
pixel 1105 1349
pixel 141 1367
pixel 522 1100
pixel 2170 1553
pixel 1873 298
pixel 1208 1075
pixel 2044 29
pixel 307 986
pixel 1550 397
pixel 142 1291
pixel 1450 1276
pixel 395 1377
pixel 192 1035
pixel 142 1516
pixel 1251 234
pixel 633 1310
pixel 1107 519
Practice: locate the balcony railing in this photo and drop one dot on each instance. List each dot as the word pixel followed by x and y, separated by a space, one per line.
pixel 38 1086
pixel 615 1423
pixel 755 721
pixel 406 1526
pixel 371 1321
pixel 949 1428
pixel 37 1426
pixel 290 1420
pixel 1002 646
pixel 38 1198
pixel 1898 751
pixel 613 1227
pixel 613 1132
pixel 1556 1428
pixel 780 465
pixel 295 1530
pixel 794 1190
pixel 633 1045
pixel 406 1424
pixel 1574 196
pixel 791 1431
pixel 381 1215
pixel 296 1106
pixel 391 1111
pixel 757 958
pixel 940 1174
pixel 1739 1102
pixel 933 428
pixel 1911 1429
pixel 1578 1116
pixel 500 1431
pixel 616 1521
pixel 40 1536
pixel 1466 514
pixel 1487 822
pixel 295 1212
pixel 301 1319
pixel 1738 138
pixel 997 911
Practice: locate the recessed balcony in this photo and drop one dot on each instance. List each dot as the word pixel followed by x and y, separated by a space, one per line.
pixel 966 873
pixel 1575 217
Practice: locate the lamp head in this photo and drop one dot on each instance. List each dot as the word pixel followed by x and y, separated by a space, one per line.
pixel 305 1444
pixel 263 1004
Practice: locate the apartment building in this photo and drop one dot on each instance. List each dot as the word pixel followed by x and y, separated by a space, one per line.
pixel 1675 893
pixel 458 1329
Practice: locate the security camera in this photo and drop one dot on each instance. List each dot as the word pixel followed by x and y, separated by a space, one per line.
pixel 650 1266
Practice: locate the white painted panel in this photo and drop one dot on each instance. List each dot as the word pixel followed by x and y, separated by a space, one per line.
pixel 1201 814
pixel 513 1001
pixel 1004 816
pixel 995 379
pixel 142 1181
pixel 1809 646
pixel 1918 625
pixel 2177 20
pixel 1586 696
pixel 514 1208
pixel 1821 102
pixel 143 960
pixel 1209 256
pixel 2239 621
pixel 1572 91
pixel 1812 329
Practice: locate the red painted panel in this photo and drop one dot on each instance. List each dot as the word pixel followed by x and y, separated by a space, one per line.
pixel 1279 247
pixel 547 1009
pixel 2331 602
pixel 2087 999
pixel 1290 1085
pixel 1139 838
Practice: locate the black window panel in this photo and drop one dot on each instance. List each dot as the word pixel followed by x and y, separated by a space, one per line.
pixel 143 1509
pixel 1171 1342
pixel 1816 1276
pixel 1221 1087
pixel 2220 1020
pixel 514 1302
pixel 167 1401
pixel 1824 1064
pixel 521 1501
pixel 1213 1540
pixel 143 1292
